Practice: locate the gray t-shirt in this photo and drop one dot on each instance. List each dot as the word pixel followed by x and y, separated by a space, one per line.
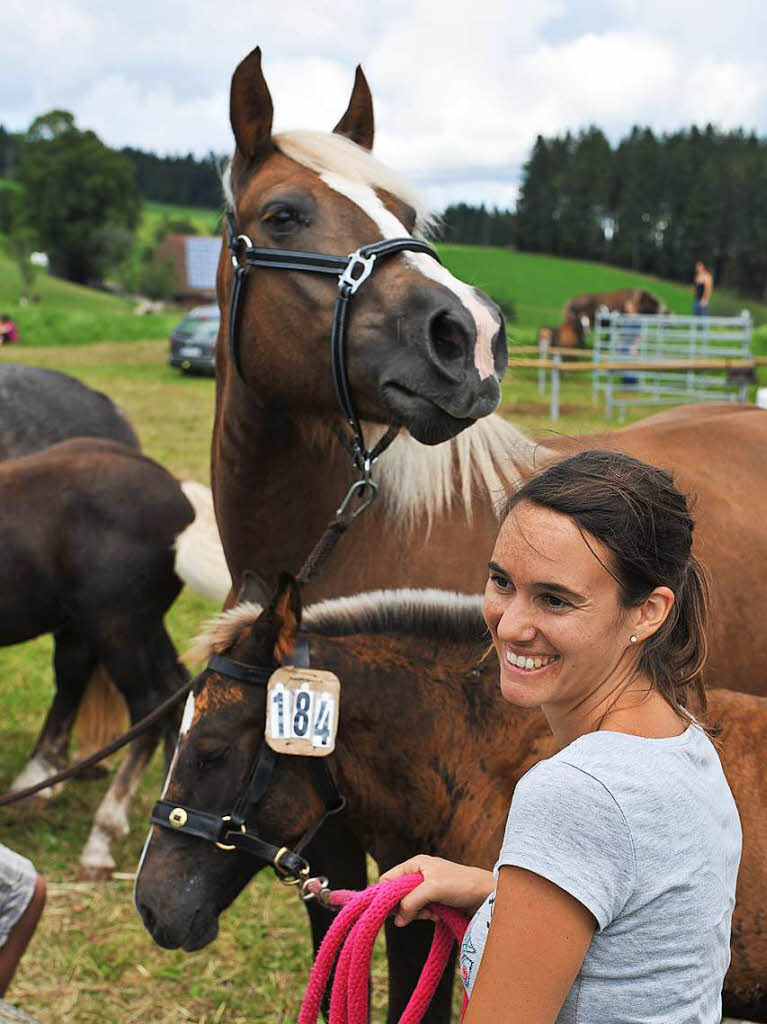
pixel 645 834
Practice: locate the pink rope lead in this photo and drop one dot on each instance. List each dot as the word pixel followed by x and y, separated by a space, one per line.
pixel 353 933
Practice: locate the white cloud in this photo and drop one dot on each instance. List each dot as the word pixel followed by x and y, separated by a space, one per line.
pixel 461 88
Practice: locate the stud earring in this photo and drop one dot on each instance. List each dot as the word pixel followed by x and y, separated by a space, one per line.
pixel 633 638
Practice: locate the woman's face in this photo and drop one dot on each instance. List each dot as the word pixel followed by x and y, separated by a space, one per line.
pixel 554 612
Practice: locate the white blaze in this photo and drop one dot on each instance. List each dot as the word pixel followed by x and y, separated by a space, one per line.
pixel 186 722
pixel 487 325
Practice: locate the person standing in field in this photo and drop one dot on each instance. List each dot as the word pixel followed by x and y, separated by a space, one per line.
pixel 703 286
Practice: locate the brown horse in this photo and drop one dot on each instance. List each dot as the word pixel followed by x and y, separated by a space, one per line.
pixel 97 541
pixel 588 303
pixel 436 779
pixel 423 357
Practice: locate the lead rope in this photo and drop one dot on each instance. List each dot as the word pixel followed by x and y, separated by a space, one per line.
pixel 350 940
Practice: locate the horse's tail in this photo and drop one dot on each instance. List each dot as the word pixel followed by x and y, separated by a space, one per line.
pixel 200 558
pixel 103 714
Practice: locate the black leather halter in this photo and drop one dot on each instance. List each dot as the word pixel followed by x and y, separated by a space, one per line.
pixel 230 831
pixel 351 271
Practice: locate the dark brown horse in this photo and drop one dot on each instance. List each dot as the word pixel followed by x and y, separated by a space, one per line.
pixel 588 303
pixel 423 356
pixel 427 756
pixel 95 537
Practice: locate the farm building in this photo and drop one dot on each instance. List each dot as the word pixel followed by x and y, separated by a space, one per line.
pixel 194 259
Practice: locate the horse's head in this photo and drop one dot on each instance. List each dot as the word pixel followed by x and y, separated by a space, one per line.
pixel 184 882
pixel 426 351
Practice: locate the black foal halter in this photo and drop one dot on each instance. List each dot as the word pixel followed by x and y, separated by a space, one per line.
pixel 351 271
pixel 230 831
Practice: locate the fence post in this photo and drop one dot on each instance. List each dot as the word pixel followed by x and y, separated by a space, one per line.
pixel 554 409
pixel 543 351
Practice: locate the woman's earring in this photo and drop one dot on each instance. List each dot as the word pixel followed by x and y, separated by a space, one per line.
pixel 633 638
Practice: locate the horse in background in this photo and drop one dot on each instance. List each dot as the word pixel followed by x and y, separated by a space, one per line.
pixel 571 333
pixel 437 779
pixel 587 304
pixel 97 541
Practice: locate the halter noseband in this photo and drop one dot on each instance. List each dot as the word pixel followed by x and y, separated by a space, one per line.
pixel 230 831
pixel 351 271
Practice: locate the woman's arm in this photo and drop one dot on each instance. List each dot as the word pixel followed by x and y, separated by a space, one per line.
pixel 537 942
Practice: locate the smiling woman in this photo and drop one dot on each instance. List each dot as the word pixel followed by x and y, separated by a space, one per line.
pixel 615 885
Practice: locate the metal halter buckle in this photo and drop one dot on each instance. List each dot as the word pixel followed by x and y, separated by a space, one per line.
pixel 316 888
pixel 238 244
pixel 225 846
pixel 356 260
pixel 286 876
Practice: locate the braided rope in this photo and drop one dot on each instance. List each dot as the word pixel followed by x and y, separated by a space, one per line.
pixel 353 933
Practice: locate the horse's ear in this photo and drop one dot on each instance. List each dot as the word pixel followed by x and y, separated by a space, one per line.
pixel 250 107
pixel 286 611
pixel 254 588
pixel 357 122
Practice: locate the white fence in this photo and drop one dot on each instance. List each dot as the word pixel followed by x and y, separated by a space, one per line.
pixel 627 338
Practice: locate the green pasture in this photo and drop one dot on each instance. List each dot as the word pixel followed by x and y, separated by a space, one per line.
pixel 207 221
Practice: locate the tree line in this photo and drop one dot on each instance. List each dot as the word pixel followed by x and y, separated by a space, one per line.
pixel 654 203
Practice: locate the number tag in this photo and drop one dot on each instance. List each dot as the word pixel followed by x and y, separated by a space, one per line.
pixel 302 711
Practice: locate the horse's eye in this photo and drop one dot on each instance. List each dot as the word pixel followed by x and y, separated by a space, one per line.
pixel 206 756
pixel 281 220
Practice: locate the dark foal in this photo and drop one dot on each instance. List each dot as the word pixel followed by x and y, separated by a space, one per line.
pixel 437 779
pixel 88 535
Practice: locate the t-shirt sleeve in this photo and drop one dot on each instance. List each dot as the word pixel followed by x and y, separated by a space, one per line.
pixel 566 826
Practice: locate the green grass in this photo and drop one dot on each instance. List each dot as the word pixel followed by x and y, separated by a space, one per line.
pixel 205 219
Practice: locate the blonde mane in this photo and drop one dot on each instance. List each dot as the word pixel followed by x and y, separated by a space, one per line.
pixel 328 153
pixel 423 612
pixel 419 483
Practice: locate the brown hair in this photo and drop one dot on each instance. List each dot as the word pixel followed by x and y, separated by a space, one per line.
pixel 638 514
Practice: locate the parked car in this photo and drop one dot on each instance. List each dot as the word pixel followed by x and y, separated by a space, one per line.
pixel 193 341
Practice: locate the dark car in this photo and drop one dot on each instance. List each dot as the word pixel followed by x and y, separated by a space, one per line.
pixel 193 342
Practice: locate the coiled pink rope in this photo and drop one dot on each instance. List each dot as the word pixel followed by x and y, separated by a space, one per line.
pixel 354 932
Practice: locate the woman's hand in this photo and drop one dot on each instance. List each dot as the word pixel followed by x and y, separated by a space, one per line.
pixel 443 882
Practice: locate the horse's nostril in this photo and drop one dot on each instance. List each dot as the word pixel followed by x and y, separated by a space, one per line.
pixel 448 338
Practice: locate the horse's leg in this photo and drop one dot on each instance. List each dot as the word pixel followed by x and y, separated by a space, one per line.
pixel 406 952
pixel 335 852
pixel 73 663
pixel 145 669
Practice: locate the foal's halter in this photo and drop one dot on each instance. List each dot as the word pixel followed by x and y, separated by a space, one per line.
pixel 230 831
pixel 351 271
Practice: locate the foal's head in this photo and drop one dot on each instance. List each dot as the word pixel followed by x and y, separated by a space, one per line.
pixel 185 882
pixel 426 351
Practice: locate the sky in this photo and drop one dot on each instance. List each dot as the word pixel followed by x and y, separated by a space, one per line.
pixel 461 89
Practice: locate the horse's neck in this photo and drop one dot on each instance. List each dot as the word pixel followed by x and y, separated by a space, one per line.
pixel 428 749
pixel 277 486
pixel 273 495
